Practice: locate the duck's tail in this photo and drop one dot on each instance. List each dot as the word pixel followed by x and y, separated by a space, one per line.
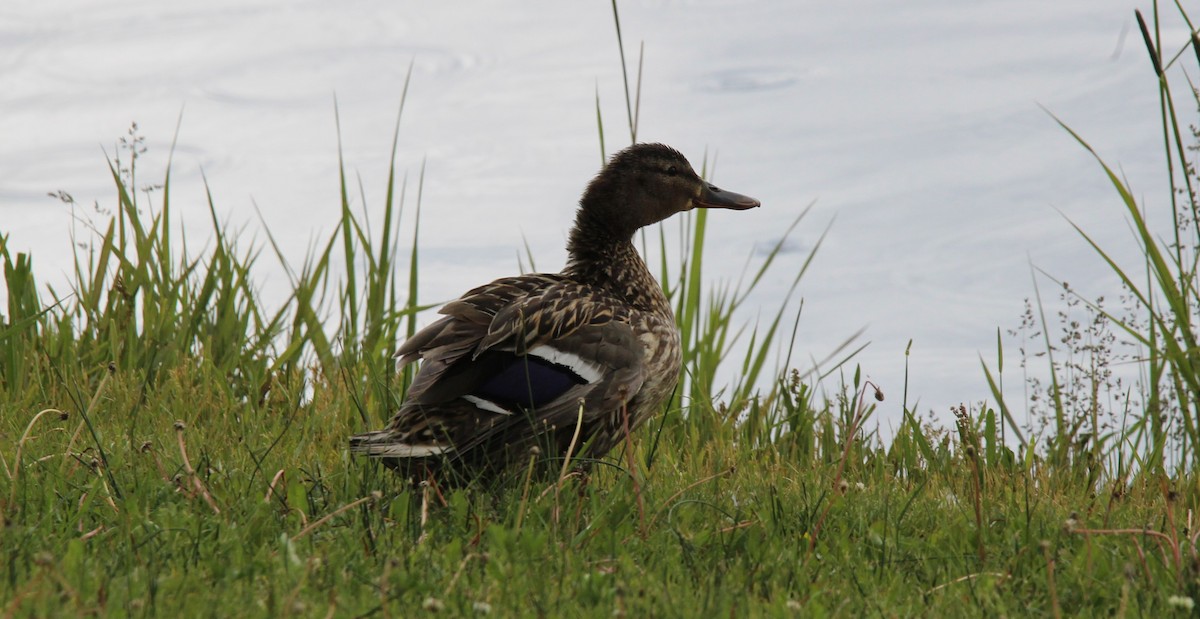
pixel 385 444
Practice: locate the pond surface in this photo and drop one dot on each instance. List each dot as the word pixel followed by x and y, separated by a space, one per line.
pixel 922 130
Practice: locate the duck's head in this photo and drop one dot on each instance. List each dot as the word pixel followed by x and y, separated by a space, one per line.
pixel 645 184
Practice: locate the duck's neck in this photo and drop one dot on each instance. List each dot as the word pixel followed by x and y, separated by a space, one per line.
pixel 598 257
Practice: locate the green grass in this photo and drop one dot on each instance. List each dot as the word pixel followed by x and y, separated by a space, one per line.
pixel 261 528
pixel 171 444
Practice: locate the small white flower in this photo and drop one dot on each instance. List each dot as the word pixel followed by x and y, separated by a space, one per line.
pixel 432 604
pixel 482 608
pixel 1181 601
pixel 794 605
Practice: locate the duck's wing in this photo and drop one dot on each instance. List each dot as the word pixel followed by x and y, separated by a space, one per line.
pixel 468 317
pixel 511 359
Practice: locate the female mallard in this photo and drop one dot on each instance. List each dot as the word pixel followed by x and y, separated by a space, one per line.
pixel 514 362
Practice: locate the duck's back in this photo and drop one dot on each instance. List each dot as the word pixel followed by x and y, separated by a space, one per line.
pixel 517 364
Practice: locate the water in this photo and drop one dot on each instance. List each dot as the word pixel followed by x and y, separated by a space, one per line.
pixel 921 129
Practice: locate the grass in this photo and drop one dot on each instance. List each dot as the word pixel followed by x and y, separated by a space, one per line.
pixel 173 444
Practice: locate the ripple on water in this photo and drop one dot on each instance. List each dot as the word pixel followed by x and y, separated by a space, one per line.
pixel 322 66
pixel 747 79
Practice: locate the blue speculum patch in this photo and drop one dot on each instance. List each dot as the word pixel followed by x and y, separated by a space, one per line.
pixel 528 382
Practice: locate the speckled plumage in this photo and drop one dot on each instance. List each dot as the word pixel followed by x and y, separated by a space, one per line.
pixel 512 363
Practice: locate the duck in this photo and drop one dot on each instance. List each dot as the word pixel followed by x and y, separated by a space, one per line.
pixel 552 366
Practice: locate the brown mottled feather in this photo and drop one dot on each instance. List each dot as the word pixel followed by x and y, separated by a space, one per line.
pixel 517 314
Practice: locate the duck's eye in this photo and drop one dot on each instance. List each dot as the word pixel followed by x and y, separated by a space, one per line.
pixel 672 171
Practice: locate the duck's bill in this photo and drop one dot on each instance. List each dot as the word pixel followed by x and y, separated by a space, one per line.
pixel 715 197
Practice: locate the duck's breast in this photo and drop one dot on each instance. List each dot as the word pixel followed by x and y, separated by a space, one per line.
pixel 661 358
